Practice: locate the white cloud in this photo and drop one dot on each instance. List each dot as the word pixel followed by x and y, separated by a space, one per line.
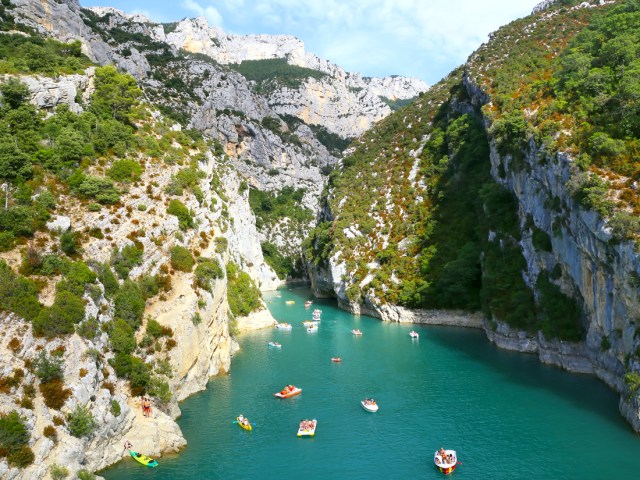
pixel 383 36
pixel 209 12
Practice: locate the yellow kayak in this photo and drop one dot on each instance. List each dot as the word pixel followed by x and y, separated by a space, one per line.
pixel 143 459
pixel 247 426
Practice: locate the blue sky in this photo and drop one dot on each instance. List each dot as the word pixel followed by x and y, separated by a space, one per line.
pixel 418 38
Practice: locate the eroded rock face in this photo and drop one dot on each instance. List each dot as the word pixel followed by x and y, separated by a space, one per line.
pixel 345 103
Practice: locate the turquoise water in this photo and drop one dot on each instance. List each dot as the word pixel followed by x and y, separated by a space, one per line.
pixel 507 415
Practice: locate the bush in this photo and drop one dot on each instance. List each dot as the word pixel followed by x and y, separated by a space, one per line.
pixel 180 210
pixel 154 328
pixel 242 294
pixel 115 408
pixel 127 258
pixel 50 432
pixel 54 393
pixel 150 285
pixel 86 475
pixel 108 279
pixel 125 170
pixel 13 432
pixel 18 294
pixel 541 240
pixel 60 319
pixel 89 329
pixel 58 472
pixel 22 457
pixel 221 244
pixel 121 336
pixel 129 304
pixel 196 319
pixel 181 259
pixel 100 189
pixel 208 269
pixel 48 368
pixel 70 243
pixel 7 241
pixel 81 423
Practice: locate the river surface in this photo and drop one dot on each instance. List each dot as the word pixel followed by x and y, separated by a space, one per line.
pixel 507 415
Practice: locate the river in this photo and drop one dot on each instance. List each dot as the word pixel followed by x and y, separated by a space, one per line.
pixel 507 415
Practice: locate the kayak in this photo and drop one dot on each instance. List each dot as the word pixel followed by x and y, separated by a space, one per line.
pixel 246 426
pixel 143 459
pixel 336 359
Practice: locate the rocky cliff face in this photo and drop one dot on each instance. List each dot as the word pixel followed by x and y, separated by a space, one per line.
pixel 346 104
pixel 202 349
pixel 207 96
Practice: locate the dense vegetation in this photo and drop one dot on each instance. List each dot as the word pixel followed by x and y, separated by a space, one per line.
pixel 242 294
pixel 274 73
pixel 428 227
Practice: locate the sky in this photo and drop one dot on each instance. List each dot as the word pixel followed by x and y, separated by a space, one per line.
pixel 416 38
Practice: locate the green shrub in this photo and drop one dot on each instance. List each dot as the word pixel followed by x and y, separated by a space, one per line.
pixel 58 472
pixel 187 178
pixel 89 329
pixel 129 304
pixel 60 319
pixel 125 170
pixel 559 314
pixel 81 423
pixel 107 278
pixel 221 244
pixel 196 319
pixel 179 209
pixel 208 269
pixel 13 432
pixel 7 241
pixel 181 259
pixel 115 408
pixel 70 242
pixel 541 240
pixel 283 266
pixel 121 336
pixel 125 259
pixel 160 390
pixel 86 475
pixel 154 328
pixel 48 368
pixel 150 285
pixel 100 189
pixel 242 294
pixel 18 294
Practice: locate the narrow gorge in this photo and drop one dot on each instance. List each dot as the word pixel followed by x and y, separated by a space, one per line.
pixel 157 177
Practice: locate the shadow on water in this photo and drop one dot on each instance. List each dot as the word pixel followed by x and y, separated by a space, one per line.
pixel 527 370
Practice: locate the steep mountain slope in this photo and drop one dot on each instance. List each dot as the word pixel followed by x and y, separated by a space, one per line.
pixel 509 188
pixel 282 131
pixel 129 246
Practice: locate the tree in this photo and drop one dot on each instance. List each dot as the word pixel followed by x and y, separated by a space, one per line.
pixel 14 92
pixel 69 146
pixel 81 423
pixel 115 94
pixel 14 163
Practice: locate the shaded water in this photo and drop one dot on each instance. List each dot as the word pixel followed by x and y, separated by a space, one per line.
pixel 507 415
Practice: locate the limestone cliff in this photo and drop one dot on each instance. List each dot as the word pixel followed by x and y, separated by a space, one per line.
pixel 373 252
